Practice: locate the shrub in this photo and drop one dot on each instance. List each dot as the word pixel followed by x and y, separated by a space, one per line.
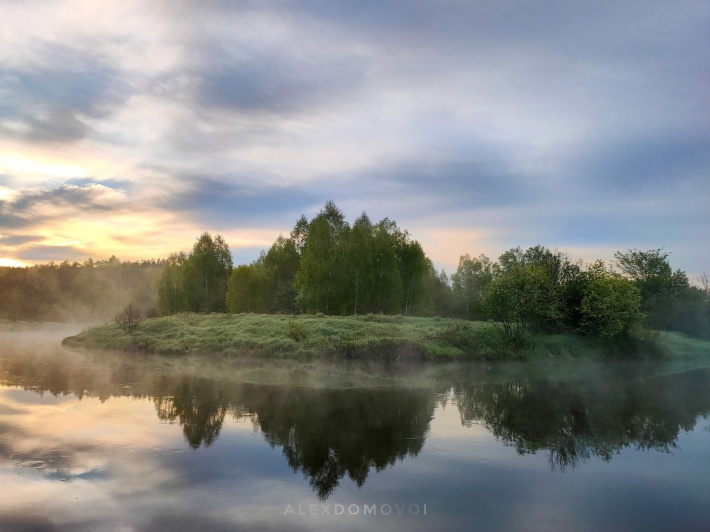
pixel 296 331
pixel 129 318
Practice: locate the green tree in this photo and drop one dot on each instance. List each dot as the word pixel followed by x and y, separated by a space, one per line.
pixel 172 297
pixel 414 270
pixel 559 270
pixel 443 295
pixel 469 283
pixel 281 263
pixel 611 304
pixel 299 233
pixel 321 277
pixel 388 283
pixel 666 296
pixel 519 298
pixel 360 266
pixel 207 271
pixel 248 289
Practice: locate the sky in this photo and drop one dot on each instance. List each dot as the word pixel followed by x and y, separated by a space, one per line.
pixel 129 128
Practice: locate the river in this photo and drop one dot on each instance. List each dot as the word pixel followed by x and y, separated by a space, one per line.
pixel 96 441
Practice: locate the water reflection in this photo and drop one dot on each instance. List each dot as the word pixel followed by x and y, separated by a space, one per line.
pixel 598 414
pixel 198 404
pixel 328 434
pixel 324 433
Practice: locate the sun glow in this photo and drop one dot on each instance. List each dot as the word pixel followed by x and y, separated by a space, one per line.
pixel 22 166
pixel 13 263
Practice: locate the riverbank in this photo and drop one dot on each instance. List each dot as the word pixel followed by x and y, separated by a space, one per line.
pixel 359 337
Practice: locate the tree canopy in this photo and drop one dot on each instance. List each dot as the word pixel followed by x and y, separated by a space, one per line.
pixel 197 282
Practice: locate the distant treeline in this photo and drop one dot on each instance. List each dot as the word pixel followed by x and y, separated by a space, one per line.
pixel 87 292
pixel 328 266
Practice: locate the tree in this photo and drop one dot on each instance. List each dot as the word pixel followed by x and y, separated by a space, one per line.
pixel 520 297
pixel 469 283
pixel 129 318
pixel 360 266
pixel 207 271
pixel 414 269
pixel 172 297
pixel 248 289
pixel 667 299
pixel 388 283
pixel 649 267
pixel 320 280
pixel 611 304
pixel 443 295
pixel 281 263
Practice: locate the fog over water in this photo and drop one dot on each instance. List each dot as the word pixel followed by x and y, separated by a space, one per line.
pixel 97 440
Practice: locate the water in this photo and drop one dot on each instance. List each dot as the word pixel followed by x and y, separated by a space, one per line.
pixel 104 442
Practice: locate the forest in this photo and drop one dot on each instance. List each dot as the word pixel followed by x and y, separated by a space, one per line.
pixel 328 266
pixel 78 292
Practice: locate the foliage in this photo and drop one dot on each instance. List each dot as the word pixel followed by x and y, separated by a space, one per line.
pixel 281 263
pixel 327 267
pixel 321 278
pixel 668 301
pixel 248 289
pixel 469 283
pixel 361 269
pixel 297 331
pixel 206 273
pixel 196 282
pixel 172 296
pixel 129 318
pixel 520 297
pixel 610 305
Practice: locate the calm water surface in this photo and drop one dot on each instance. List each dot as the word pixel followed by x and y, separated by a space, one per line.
pixel 102 442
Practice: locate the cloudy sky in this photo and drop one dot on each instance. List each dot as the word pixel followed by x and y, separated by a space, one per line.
pixel 130 127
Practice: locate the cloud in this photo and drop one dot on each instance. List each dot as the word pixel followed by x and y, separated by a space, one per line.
pixel 31 207
pixel 56 103
pixel 646 163
pixel 17 240
pixel 272 81
pixel 583 123
pixel 224 203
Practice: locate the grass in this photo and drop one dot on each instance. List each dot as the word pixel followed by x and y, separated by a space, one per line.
pixel 370 337
pixel 683 346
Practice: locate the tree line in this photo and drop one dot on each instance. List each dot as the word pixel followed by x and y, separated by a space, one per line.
pixel 328 266
pixel 85 292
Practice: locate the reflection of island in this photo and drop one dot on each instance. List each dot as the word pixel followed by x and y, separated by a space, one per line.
pixel 574 420
pixel 330 433
pixel 324 433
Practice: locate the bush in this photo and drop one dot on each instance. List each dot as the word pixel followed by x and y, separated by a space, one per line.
pixel 296 331
pixel 129 318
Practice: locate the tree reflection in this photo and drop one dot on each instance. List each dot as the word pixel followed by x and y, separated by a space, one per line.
pixel 330 433
pixel 198 405
pixel 574 420
pixel 326 434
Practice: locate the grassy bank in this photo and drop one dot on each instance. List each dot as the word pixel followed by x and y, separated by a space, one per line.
pixel 361 337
